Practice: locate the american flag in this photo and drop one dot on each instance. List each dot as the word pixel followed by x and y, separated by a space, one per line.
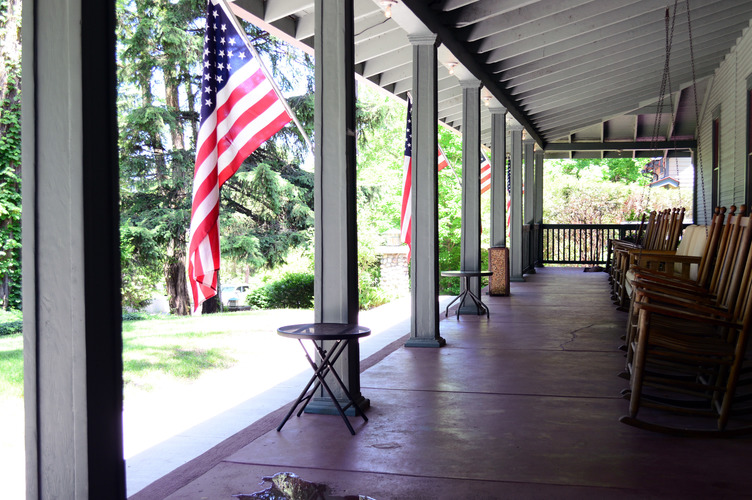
pixel 443 162
pixel 239 111
pixel 407 182
pixel 485 173
pixel 509 193
pixel 406 211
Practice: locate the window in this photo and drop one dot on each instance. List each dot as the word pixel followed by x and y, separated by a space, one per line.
pixel 748 194
pixel 716 159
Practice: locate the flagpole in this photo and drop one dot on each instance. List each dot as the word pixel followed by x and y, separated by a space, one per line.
pixel 451 166
pixel 268 75
pixel 459 182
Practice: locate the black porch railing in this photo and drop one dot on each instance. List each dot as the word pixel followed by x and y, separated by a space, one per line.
pixel 576 243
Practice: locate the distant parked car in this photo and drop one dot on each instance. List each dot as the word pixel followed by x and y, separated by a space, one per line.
pixel 233 296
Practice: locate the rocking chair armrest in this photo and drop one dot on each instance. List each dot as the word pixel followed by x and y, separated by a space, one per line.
pixel 703 305
pixel 622 245
pixel 676 289
pixel 685 314
pixel 647 275
pixel 646 252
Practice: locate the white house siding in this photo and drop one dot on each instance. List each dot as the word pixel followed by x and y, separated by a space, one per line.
pixel 727 90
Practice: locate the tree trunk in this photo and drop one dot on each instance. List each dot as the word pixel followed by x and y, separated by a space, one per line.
pixel 211 306
pixel 10 45
pixel 173 104
pixel 175 279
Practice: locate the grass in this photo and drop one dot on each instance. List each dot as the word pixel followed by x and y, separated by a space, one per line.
pixel 169 349
pixel 11 366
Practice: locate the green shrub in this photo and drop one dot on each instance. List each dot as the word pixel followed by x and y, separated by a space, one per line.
pixel 258 298
pixel 290 291
pixel 134 316
pixel 11 327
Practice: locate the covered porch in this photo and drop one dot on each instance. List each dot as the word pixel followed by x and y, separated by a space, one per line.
pixel 524 404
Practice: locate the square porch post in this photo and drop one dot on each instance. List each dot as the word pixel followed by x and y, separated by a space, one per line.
pixel 515 222
pixel 73 382
pixel 424 318
pixel 470 236
pixel 498 177
pixel 538 211
pixel 530 200
pixel 336 245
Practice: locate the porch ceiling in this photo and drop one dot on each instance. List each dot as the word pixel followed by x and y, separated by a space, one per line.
pixel 582 76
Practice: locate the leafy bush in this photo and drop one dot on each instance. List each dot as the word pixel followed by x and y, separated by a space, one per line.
pixel 290 291
pixel 135 316
pixel 11 327
pixel 11 322
pixel 258 298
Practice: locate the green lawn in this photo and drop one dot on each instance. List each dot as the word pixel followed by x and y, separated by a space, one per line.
pixel 168 347
pixel 11 366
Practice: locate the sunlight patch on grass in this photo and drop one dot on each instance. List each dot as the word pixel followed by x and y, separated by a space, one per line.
pixel 161 350
pixel 11 366
pixel 141 361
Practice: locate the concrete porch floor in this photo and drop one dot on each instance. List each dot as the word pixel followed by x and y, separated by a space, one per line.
pixel 524 404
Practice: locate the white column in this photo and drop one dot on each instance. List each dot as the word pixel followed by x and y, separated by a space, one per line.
pixel 424 322
pixel 336 243
pixel 498 177
pixel 538 211
pixel 515 223
pixel 71 260
pixel 529 212
pixel 470 235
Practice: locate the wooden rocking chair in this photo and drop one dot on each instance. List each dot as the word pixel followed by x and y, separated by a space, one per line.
pixel 689 348
pixel 664 236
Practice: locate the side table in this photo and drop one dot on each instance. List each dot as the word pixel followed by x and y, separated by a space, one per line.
pixel 341 334
pixel 465 277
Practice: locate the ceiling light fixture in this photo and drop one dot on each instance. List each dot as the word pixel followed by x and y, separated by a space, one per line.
pixel 487 99
pixel 450 66
pixel 387 4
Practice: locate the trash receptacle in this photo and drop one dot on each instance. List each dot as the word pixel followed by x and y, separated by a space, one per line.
pixel 498 262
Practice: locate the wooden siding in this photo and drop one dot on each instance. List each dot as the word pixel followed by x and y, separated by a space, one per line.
pixel 727 92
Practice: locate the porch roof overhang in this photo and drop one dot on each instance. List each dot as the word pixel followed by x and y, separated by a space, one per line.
pixel 583 77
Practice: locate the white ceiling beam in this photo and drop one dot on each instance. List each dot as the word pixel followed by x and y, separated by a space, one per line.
pixel 388 61
pixel 396 74
pixel 480 10
pixel 611 47
pixel 593 111
pixel 445 85
pixel 361 10
pixel 277 9
pixel 635 60
pixel 539 17
pixel 386 27
pixel 616 79
pixel 633 25
pixel 374 48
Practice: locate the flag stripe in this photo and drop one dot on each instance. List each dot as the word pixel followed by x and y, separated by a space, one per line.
pixel 485 173
pixel 406 209
pixel 443 162
pixel 239 111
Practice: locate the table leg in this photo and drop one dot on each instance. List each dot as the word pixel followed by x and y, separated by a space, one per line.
pixel 314 377
pixel 480 305
pixel 320 373
pixel 446 313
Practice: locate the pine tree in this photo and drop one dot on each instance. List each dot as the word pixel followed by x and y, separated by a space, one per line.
pixel 265 208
